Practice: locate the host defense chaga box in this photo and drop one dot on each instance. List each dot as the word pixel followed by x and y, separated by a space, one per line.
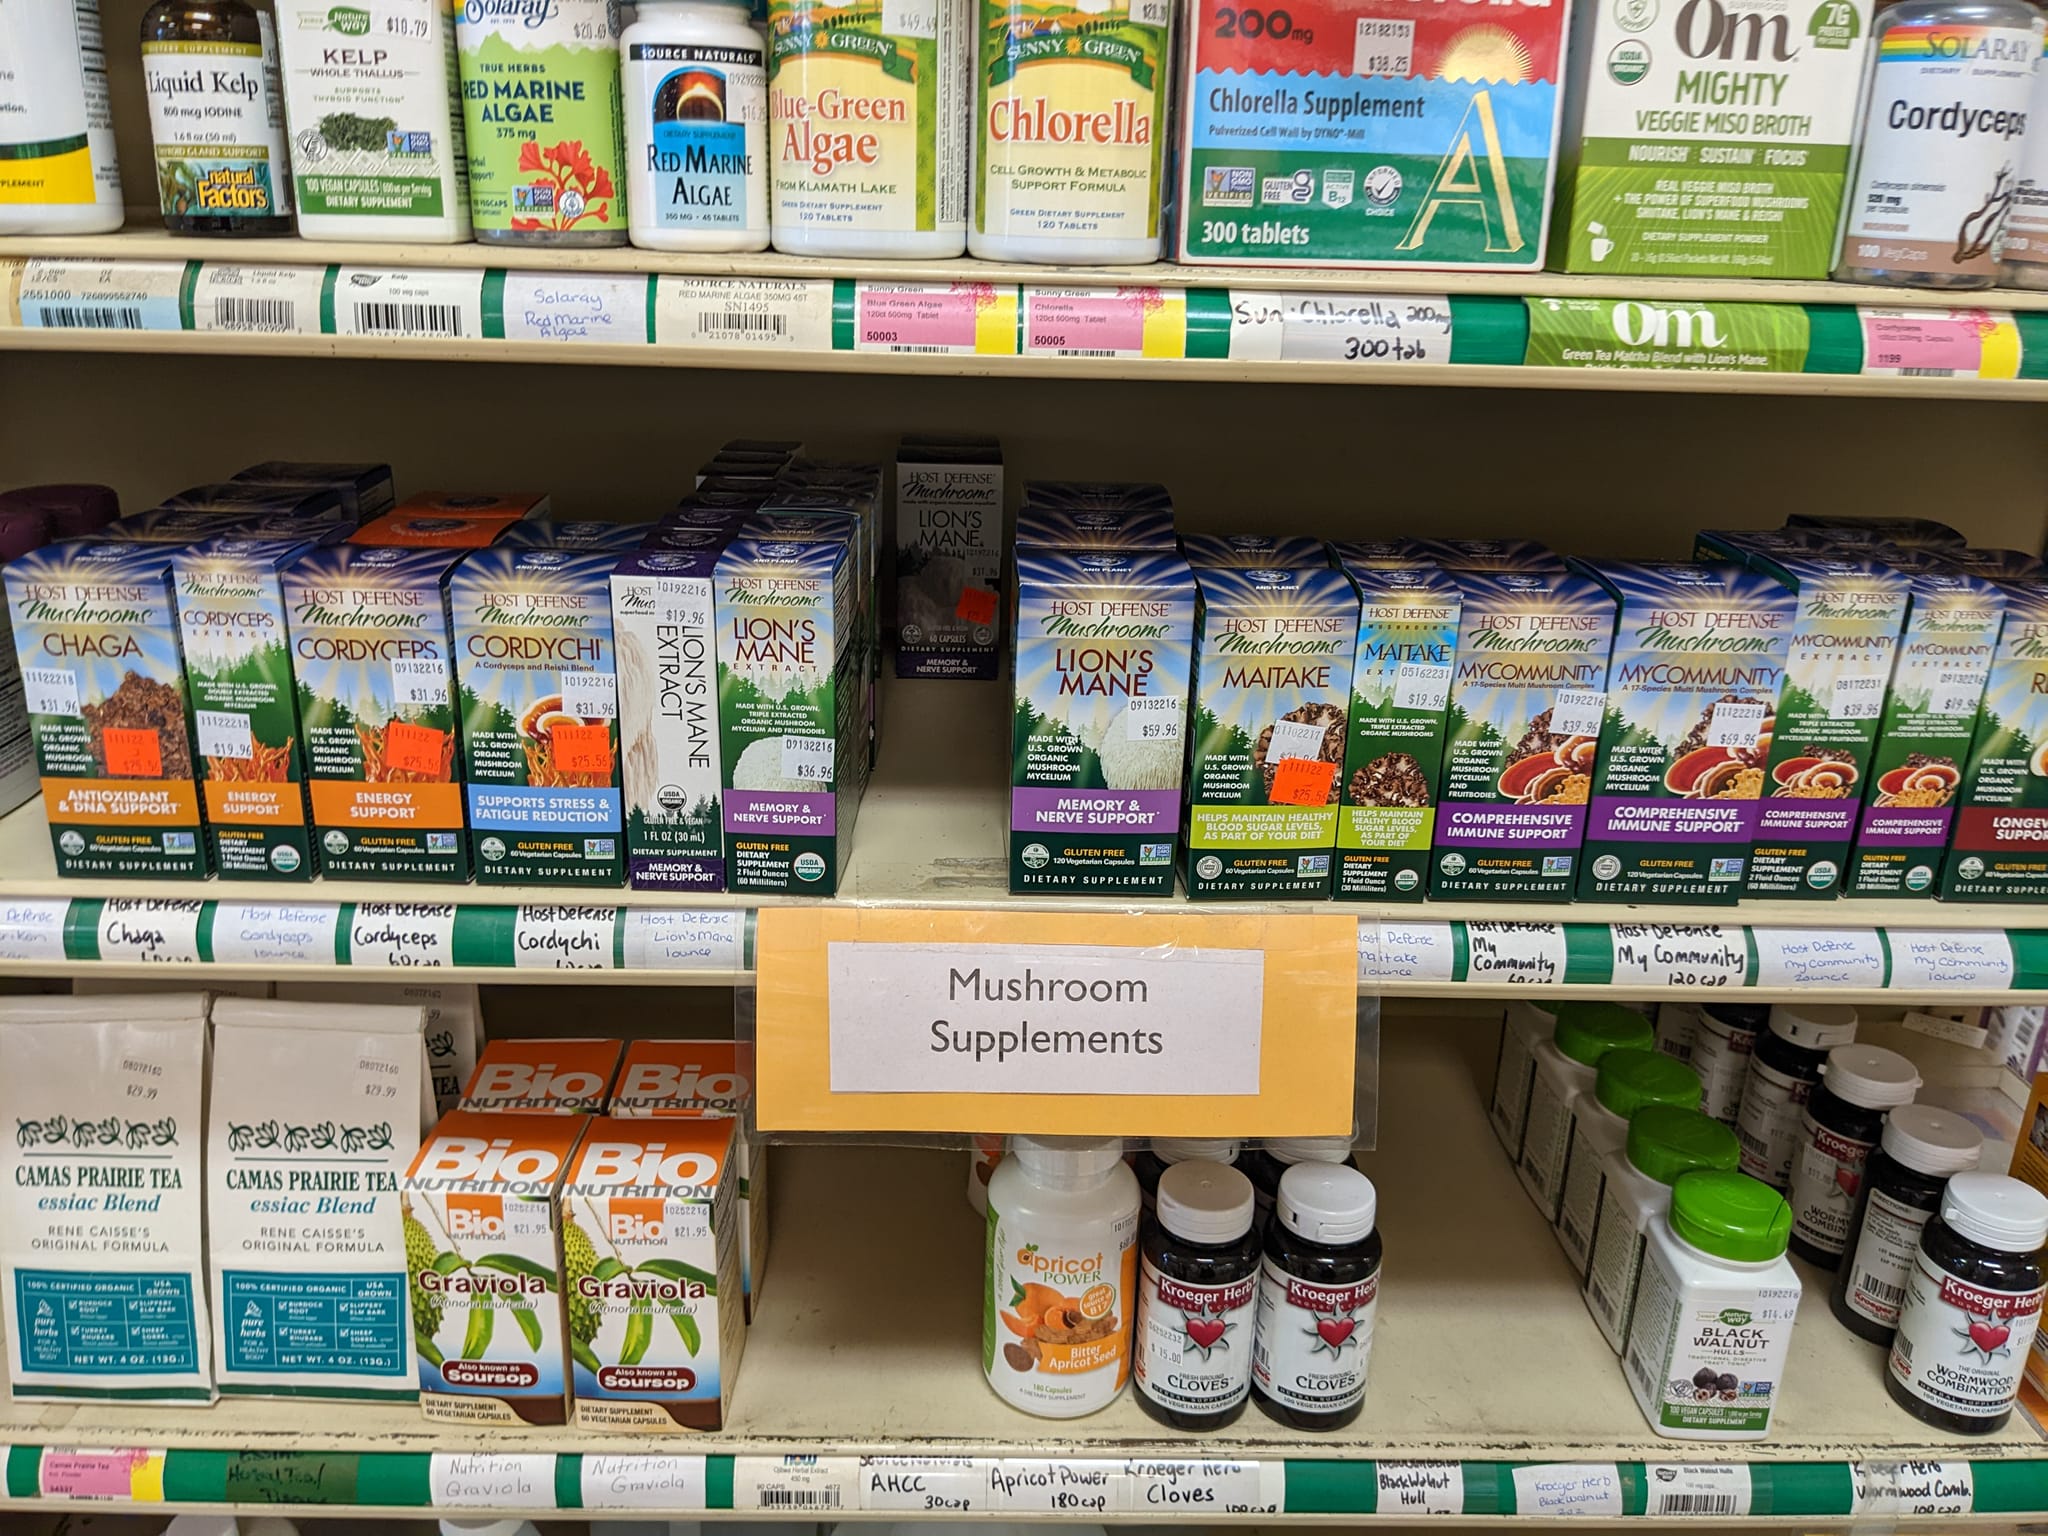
pixel 1393 753
pixel 371 649
pixel 1999 850
pixel 1272 689
pixel 536 675
pixel 1692 693
pixel 96 630
pixel 1376 133
pixel 1103 643
pixel 1845 637
pixel 484 1249
pixel 949 556
pixel 1528 693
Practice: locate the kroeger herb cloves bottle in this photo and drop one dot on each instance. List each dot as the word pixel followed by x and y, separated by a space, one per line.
pixel 216 112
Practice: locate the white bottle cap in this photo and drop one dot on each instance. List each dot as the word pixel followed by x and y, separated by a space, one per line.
pixel 1204 1149
pixel 1930 1140
pixel 1814 1026
pixel 1327 1203
pixel 1997 1211
pixel 1308 1149
pixel 1205 1201
pixel 1068 1162
pixel 1870 1076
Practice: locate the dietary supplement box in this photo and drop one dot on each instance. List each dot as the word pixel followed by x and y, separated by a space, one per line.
pixel 1998 850
pixel 949 556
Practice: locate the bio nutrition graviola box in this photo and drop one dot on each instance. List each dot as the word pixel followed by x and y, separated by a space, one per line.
pixel 1709 139
pixel 949 556
pixel 1380 133
pixel 1272 670
pixel 670 766
pixel 1999 848
pixel 371 650
pixel 551 1077
pixel 1103 646
pixel 536 677
pixel 96 631
pixel 1393 754
pixel 1692 696
pixel 231 616
pixel 1845 637
pixel 1924 737
pixel 1522 738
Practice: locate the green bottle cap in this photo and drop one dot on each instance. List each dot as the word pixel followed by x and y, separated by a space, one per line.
pixel 1665 1141
pixel 1588 1031
pixel 1730 1215
pixel 1633 1080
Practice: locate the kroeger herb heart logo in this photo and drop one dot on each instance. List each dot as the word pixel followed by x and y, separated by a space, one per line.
pixel 1335 1330
pixel 1206 1332
pixel 1988 1336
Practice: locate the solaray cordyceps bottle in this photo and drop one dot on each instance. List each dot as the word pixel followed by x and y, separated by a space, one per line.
pixel 57 169
pixel 484 1254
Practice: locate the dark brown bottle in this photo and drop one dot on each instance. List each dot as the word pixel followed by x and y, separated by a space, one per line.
pixel 216 113
pixel 1192 1362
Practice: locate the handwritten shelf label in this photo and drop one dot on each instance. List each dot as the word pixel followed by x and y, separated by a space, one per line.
pixel 1831 958
pixel 1420 1487
pixel 643 1482
pixel 274 932
pixel 150 932
pixel 925 1484
pixel 1525 954
pixel 664 939
pixel 1564 1489
pixel 1055 1487
pixel 1357 329
pixel 564 938
pixel 1912 1488
pixel 33 930
pixel 1679 955
pixel 1934 960
pixel 1206 1488
pixel 401 935
pixel 491 1480
pixel 561 306
pixel 1396 951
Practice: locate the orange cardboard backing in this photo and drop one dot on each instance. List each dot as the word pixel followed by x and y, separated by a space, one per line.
pixel 684 1077
pixel 1307 1046
pixel 417 531
pixel 513 504
pixel 545 1076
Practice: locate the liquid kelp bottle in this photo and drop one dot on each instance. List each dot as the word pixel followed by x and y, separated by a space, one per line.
pixel 216 112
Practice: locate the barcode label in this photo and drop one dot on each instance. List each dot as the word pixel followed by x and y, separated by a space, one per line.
pixel 408 320
pixel 899 347
pixel 98 317
pixel 795 1482
pixel 792 316
pixel 799 1498
pixel 237 314
pixel 740 322
pixel 1890 1295
pixel 1927 373
pixel 1902 1344
pixel 1087 352
pixel 424 303
pixel 1720 1488
pixel 1698 1504
pixel 64 294
pixel 270 301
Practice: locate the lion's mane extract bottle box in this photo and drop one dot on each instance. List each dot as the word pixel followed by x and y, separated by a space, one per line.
pixel 96 631
pixel 1371 134
pixel 1528 698
pixel 949 556
pixel 1103 643
pixel 2000 848
pixel 1272 693
pixel 536 674
pixel 1692 695
pixel 372 649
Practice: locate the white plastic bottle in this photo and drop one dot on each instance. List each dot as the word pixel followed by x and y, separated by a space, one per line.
pixel 695 78
pixel 1061 1278
pixel 1565 1069
pixel 2026 226
pixel 57 170
pixel 1526 1026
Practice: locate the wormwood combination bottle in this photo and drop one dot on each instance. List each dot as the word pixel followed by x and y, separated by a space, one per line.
pixel 216 112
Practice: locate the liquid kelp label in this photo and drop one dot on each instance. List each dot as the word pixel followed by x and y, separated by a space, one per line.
pixel 218 122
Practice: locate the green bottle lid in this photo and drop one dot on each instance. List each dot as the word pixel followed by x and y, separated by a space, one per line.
pixel 1730 1215
pixel 1665 1141
pixel 1588 1031
pixel 1632 1080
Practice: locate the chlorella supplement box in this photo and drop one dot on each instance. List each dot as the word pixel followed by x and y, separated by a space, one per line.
pixel 536 674
pixel 1272 665
pixel 1394 747
pixel 1692 696
pixel 1102 642
pixel 1999 851
pixel 1528 698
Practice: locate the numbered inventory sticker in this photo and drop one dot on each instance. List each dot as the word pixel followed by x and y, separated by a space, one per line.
pixel 1528 954
pixel 808 758
pixel 564 306
pixel 1577 712
pixel 223 733
pixel 1957 691
pixel 257 301
pixel 1940 343
pixel 1105 322
pixel 419 682
pixel 642 1481
pixel 963 319
pixel 403 935
pixel 1736 725
pixel 1340 328
pixel 564 938
pixel 1856 698
pixel 755 313
pixel 150 932
pixel 425 304
pixel 795 1484
pixel 593 695
pixel 275 933
pixel 51 690
pixel 102 295
pixel 1835 958
pixel 1152 718
pixel 1679 955
pixel 1421 685
pixel 1717 1489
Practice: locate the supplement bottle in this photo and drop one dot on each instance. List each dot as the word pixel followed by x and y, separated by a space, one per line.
pixel 868 117
pixel 1843 1119
pixel 1062 1275
pixel 1197 1282
pixel 1635 1195
pixel 2026 226
pixel 1721 1052
pixel 1696 1374
pixel 695 76
pixel 1068 137
pixel 1943 128
pixel 1565 1069
pixel 1526 1026
pixel 1268 1162
pixel 216 113
pixel 1319 1289
pixel 1162 1152
pixel 1623 1083
pixel 982 1157
pixel 540 114
pixel 1782 1071
pixel 1902 1185
pixel 57 170
pixel 1678 1029
pixel 1972 1305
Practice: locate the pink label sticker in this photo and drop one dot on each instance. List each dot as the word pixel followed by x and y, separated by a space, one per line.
pixel 90 1474
pixel 1069 323
pixel 1926 343
pixel 906 316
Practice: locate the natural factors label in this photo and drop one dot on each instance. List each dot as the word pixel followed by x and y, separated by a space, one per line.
pixel 1378 133
pixel 1710 138
pixel 215 112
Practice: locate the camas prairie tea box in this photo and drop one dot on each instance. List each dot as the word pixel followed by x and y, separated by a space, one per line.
pixel 1103 643
pixel 1999 849
pixel 1522 741
pixel 536 674
pixel 1394 749
pixel 1692 693
pixel 1845 637
pixel 96 630
pixel 372 652
pixel 949 556
pixel 1377 133
pixel 1272 668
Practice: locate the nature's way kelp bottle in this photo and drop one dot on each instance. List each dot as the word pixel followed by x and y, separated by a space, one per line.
pixel 540 105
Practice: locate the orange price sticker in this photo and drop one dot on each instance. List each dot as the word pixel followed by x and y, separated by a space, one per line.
pixel 977 605
pixel 415 748
pixel 582 748
pixel 1302 781
pixel 133 753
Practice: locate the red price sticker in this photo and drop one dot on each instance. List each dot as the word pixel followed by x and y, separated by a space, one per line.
pixel 582 748
pixel 977 605
pixel 132 753
pixel 1302 781
pixel 416 748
